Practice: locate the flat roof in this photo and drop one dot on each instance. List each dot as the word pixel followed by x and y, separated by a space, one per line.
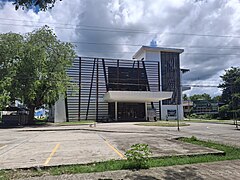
pixel 157 49
pixel 136 96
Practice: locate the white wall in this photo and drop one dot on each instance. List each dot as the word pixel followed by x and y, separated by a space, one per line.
pixel 179 110
pixel 140 56
pixel 60 110
pixel 152 56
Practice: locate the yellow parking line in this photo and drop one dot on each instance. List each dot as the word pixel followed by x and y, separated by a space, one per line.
pixel 113 148
pixel 3 146
pixel 51 155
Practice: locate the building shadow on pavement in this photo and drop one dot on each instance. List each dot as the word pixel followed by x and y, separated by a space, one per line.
pixel 186 173
pixel 140 177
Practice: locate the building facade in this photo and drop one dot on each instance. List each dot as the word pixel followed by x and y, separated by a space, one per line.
pixel 147 87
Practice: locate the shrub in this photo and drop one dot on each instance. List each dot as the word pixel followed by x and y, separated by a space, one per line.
pixel 193 138
pixel 138 156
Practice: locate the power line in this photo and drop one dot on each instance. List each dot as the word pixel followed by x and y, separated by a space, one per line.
pixel 163 45
pixel 186 53
pixel 122 52
pixel 174 46
pixel 22 20
pixel 107 29
pixel 133 52
pixel 123 30
pixel 209 54
pixel 132 84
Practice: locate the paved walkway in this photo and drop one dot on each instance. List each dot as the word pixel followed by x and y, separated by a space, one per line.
pixel 229 170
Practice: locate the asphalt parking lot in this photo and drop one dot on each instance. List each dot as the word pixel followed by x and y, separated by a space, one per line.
pixel 46 146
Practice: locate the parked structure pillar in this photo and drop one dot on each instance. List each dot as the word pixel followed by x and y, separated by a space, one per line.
pixel 116 110
pixel 146 111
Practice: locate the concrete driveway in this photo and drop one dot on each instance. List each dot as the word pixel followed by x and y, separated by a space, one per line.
pixel 46 146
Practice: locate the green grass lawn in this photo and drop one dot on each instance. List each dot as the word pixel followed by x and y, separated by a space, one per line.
pixel 40 121
pixel 210 121
pixel 231 153
pixel 163 124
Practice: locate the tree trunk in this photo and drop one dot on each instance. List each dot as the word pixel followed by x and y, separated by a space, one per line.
pixel 31 115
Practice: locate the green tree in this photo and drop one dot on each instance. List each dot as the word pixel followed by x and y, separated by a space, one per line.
pixel 224 112
pixel 43 4
pixel 231 90
pixel 204 96
pixel 4 93
pixel 10 53
pixel 40 73
pixel 185 97
pixel 217 98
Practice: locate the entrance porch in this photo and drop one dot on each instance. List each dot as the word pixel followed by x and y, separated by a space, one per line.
pixel 132 105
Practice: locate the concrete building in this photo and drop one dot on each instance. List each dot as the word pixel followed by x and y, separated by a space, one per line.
pixel 147 87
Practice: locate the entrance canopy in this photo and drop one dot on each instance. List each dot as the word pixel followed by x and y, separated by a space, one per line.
pixel 136 96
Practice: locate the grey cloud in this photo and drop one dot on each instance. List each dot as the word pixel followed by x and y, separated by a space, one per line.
pixel 215 17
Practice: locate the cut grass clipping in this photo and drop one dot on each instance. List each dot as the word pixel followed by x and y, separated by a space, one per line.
pixel 163 124
pixel 231 153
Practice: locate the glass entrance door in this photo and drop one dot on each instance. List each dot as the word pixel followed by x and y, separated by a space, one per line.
pixel 131 111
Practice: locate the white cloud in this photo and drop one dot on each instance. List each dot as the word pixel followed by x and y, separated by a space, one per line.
pixel 215 17
pixel 26 21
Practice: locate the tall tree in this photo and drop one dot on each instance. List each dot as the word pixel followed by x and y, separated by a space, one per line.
pixel 231 89
pixel 185 97
pixel 203 96
pixel 10 53
pixel 42 4
pixel 217 98
pixel 40 76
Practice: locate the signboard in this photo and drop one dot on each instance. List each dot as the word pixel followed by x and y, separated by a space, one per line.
pixel 171 113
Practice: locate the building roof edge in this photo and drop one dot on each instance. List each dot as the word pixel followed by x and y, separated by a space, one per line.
pixel 156 49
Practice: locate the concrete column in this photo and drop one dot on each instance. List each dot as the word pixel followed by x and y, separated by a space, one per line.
pixel 60 110
pixel 116 111
pixel 146 111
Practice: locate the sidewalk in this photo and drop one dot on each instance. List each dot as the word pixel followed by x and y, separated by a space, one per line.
pixel 218 170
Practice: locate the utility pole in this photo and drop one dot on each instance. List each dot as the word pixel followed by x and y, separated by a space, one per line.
pixel 189 108
pixel 177 96
pixel 233 104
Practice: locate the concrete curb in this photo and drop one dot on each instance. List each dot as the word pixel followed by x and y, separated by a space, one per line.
pixel 82 129
pixel 42 167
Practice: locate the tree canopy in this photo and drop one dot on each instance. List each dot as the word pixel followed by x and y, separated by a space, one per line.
pixel 10 51
pixel 34 67
pixel 42 4
pixel 203 96
pixel 231 90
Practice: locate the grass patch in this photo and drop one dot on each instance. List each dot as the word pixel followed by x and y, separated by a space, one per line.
pixel 219 121
pixel 231 153
pixel 4 175
pixel 40 121
pixel 76 122
pixel 163 124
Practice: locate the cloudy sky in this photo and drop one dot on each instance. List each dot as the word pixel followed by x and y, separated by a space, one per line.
pixel 208 31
